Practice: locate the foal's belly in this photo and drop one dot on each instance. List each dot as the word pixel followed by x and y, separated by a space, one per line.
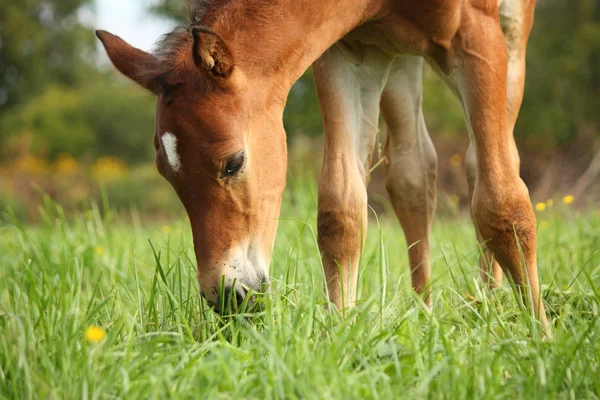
pixel 417 27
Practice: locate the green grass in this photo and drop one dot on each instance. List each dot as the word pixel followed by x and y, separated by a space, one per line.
pixel 70 273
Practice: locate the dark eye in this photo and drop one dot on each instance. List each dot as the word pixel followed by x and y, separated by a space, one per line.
pixel 234 164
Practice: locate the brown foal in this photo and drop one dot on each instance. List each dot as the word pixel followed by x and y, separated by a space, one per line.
pixel 222 84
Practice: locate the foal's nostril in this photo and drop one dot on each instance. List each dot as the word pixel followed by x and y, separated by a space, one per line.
pixel 234 296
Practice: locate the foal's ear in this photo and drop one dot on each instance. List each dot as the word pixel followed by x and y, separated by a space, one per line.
pixel 141 67
pixel 211 53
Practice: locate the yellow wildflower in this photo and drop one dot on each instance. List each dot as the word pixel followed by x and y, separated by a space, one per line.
pixel 543 224
pixel 32 165
pixel 166 229
pixel 568 199
pixel 549 203
pixel 540 206
pixel 66 165
pixel 455 160
pixel 99 250
pixel 95 334
pixel 107 169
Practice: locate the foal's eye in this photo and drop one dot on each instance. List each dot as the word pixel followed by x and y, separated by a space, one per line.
pixel 234 164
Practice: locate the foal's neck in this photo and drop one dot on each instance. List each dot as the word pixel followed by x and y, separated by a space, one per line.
pixel 280 39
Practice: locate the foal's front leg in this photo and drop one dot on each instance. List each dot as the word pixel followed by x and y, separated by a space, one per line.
pixel 349 83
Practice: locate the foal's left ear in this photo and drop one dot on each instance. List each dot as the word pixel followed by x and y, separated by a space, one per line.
pixel 139 66
pixel 211 53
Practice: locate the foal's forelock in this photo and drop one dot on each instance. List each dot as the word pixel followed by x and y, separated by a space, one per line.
pixel 175 64
pixel 173 51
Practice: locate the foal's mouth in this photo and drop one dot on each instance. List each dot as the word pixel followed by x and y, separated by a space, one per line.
pixel 240 299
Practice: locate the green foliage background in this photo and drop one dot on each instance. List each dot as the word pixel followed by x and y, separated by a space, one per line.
pixel 563 73
pixel 54 98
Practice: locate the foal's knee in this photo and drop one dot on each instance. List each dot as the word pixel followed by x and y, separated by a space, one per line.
pixel 339 234
pixel 410 176
pixel 340 220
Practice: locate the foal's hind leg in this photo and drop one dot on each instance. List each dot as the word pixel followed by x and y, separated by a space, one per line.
pixel 349 82
pixel 516 19
pixel 475 66
pixel 411 171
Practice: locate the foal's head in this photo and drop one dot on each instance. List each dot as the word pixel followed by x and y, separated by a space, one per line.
pixel 220 143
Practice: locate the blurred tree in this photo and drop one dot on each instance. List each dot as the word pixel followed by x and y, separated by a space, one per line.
pixel 122 117
pixel 53 98
pixel 563 73
pixel 49 124
pixel 98 118
pixel 41 42
pixel 173 9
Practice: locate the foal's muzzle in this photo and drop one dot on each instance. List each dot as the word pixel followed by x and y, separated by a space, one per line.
pixel 238 297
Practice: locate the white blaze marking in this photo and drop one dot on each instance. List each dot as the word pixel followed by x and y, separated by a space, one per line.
pixel 170 144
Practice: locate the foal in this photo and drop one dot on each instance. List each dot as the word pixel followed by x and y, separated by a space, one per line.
pixel 222 84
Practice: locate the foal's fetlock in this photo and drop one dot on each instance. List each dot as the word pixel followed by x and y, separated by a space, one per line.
pixel 508 238
pixel 506 223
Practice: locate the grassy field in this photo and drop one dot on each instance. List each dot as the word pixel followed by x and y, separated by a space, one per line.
pixel 67 275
